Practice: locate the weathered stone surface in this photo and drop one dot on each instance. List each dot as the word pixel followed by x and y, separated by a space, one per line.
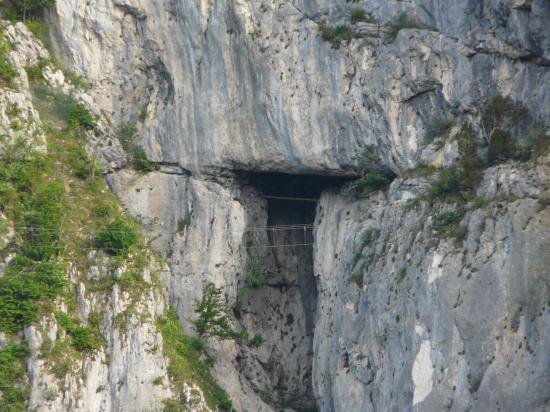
pixel 435 324
pixel 217 87
pixel 251 85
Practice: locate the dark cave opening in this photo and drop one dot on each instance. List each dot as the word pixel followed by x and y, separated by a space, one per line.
pixel 287 304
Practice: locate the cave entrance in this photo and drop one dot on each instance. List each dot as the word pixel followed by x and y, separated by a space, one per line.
pixel 285 307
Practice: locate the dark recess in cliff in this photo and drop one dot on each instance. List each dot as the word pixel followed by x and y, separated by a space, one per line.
pixel 287 303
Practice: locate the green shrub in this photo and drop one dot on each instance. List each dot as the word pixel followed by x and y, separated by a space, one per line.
pixel 256 341
pixel 437 127
pixel 42 221
pixel 504 114
pixel 447 223
pixel 343 32
pixel 448 182
pixel 141 162
pixel 75 114
pixel 185 364
pixel 357 15
pixel 37 27
pixel 14 150
pixel 370 182
pixel 470 162
pixel 335 34
pixel 327 32
pixel 254 276
pixel 403 21
pixel 82 166
pixel 76 79
pixel 535 142
pixel 422 169
pixel 7 71
pixel 501 147
pixel 357 278
pixel 83 339
pixel 212 315
pixel 24 285
pixel 117 237
pixel 102 210
pixel 34 73
pixel 12 377
pixel 127 135
pixel 370 236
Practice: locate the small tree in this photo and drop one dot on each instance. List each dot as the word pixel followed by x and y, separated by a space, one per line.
pixel 502 113
pixel 213 316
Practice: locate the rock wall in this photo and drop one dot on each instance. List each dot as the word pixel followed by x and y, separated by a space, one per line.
pixel 251 85
pixel 411 321
pixel 221 87
pixel 129 372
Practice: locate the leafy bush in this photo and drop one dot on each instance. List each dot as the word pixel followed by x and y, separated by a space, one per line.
pixel 84 339
pixel 74 113
pixel 102 210
pixel 141 162
pixel 343 32
pixel 7 71
pixel 82 166
pixel 370 182
pixel 256 341
pixel 422 169
pixel 254 277
pixel 42 221
pixel 185 365
pixel 504 114
pixel 327 32
pixel 36 27
pixel 127 134
pixel 357 278
pixel 117 237
pixel 34 73
pixel 76 79
pixel 334 34
pixel 533 143
pixel 437 127
pixel 447 223
pixel 448 182
pixel 370 236
pixel 213 316
pixel 501 147
pixel 23 286
pixel 470 162
pixel 12 372
pixel 403 21
pixel 357 15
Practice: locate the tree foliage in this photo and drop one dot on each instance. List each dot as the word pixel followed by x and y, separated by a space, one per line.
pixel 26 9
pixel 117 237
pixel 213 317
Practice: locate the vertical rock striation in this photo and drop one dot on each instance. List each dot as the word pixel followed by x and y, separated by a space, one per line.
pixel 221 87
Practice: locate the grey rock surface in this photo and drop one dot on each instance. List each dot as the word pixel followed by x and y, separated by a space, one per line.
pixel 251 85
pixel 221 87
pixel 408 321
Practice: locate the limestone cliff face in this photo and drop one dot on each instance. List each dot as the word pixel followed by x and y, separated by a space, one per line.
pixel 430 325
pixel 221 90
pixel 251 85
pixel 129 371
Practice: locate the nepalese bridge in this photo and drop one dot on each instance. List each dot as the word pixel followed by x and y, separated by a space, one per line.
pixel 280 236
